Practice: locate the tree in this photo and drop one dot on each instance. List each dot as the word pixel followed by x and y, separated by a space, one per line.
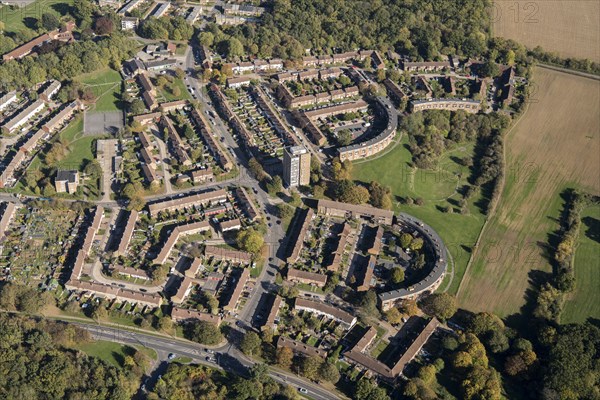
pixel 416 244
pixel 309 367
pixel 250 344
pixel 250 240
pixel 233 48
pixel 275 185
pixel 369 302
pixel 397 275
pixel 48 22
pixel 82 10
pixel 285 211
pixel 440 305
pixel 256 169
pixel 367 390
pixel 103 26
pixel 285 356
pixel 481 383
pixel 206 39
pixel 408 307
pixel 203 332
pixel 165 324
pixel 341 170
pixel 137 106
pixel 344 137
pixel 393 316
pixel 405 240
pixel 380 195
pixel 329 372
pixel 346 191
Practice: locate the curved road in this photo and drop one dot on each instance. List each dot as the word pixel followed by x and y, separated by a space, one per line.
pixel 228 357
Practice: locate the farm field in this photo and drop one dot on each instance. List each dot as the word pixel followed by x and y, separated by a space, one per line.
pixel 569 28
pixel 23 19
pixel 459 232
pixel 106 85
pixel 583 302
pixel 554 146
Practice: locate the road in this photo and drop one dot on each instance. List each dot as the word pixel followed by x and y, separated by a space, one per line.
pixel 275 238
pixel 228 357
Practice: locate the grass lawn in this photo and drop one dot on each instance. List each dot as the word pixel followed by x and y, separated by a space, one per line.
pixel 583 302
pixel 106 85
pixel 182 360
pixel 112 353
pixel 169 96
pixel 23 19
pixel 437 189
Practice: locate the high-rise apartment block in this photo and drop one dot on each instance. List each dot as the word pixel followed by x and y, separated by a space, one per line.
pixel 296 166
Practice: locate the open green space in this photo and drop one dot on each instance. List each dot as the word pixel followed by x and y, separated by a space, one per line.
pixel 583 303
pixel 167 92
pixel 23 19
pixel 112 353
pixel 106 85
pixel 437 189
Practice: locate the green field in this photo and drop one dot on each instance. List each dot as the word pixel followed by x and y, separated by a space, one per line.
pixel 112 353
pixel 167 95
pixel 106 85
pixel 583 303
pixel 437 189
pixel 23 19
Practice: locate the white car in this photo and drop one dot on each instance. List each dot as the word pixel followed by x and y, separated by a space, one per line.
pixel 302 390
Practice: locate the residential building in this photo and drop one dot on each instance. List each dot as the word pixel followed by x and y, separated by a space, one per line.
pixel 7 216
pixel 66 181
pixel 7 99
pixel 127 233
pixel 238 288
pixel 182 314
pixel 23 116
pixel 160 65
pixel 468 105
pixel 187 284
pixel 305 277
pixel 299 244
pixel 237 82
pixel 344 318
pixel 63 115
pixel 220 253
pixel 133 4
pixel 63 35
pixel 192 200
pixel 202 175
pixel 129 272
pixel 114 293
pixel 178 231
pixel 271 321
pixel 299 347
pixel 129 23
pixel 296 166
pixel 344 210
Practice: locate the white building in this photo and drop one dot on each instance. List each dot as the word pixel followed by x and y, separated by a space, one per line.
pixel 24 116
pixel 129 23
pixel 296 166
pixel 7 99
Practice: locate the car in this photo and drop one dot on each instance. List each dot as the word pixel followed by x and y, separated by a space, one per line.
pixel 302 390
pixel 171 356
